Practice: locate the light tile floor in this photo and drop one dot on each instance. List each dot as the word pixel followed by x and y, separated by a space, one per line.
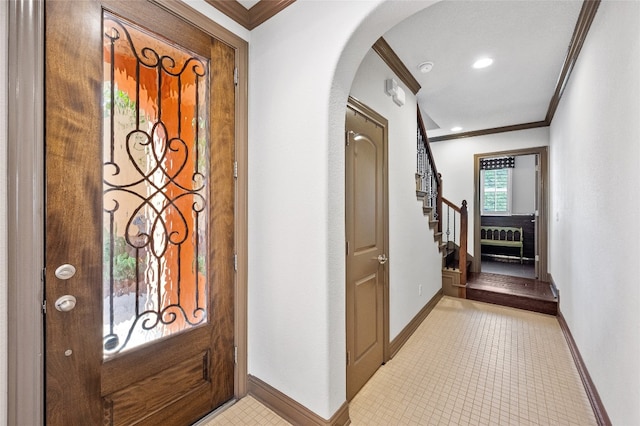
pixel 469 363
pixel 246 412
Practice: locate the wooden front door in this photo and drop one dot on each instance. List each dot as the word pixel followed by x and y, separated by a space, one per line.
pixel 366 235
pixel 139 216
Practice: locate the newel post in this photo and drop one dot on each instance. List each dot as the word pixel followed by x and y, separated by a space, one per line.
pixel 464 220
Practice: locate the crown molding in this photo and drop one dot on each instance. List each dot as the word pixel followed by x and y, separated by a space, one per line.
pixel 587 14
pixel 382 48
pixel 233 10
pixel 259 13
pixel 266 9
pixel 491 131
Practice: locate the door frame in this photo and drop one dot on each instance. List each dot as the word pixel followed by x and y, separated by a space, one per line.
pixel 25 198
pixel 372 115
pixel 542 203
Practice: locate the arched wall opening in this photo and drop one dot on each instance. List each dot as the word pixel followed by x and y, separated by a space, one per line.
pixel 299 87
pixel 380 20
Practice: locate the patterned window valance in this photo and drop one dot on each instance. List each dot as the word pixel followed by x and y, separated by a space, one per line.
pixel 497 163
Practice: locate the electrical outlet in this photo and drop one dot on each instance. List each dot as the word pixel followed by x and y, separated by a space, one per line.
pixel 420 290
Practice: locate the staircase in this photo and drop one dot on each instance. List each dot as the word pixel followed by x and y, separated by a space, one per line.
pixel 449 223
pixel 434 223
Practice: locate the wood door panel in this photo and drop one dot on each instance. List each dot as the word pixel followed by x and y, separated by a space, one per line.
pixel 366 312
pixel 120 371
pixel 141 399
pixel 72 213
pixel 183 411
pixel 171 381
pixel 365 191
pixel 222 218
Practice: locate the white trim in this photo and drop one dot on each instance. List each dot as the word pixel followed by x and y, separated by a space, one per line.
pixel 4 59
pixel 25 193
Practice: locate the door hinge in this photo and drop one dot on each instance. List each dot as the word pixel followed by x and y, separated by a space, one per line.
pixel 235 169
pixel 235 262
pixel 235 354
pixel 44 307
pixel 235 76
pixel 347 248
pixel 537 258
pixel 44 274
pixel 348 357
pixel 349 135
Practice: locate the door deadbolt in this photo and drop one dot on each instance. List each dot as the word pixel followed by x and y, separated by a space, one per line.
pixel 66 271
pixel 65 303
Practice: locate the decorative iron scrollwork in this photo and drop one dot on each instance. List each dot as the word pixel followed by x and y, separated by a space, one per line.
pixel 155 187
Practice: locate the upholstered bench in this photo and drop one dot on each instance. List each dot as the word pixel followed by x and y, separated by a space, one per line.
pixel 502 236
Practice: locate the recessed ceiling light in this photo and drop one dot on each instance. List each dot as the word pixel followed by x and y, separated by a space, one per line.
pixel 482 63
pixel 425 67
pixel 456 129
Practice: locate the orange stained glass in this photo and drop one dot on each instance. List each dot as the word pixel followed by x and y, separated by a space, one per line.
pixel 155 104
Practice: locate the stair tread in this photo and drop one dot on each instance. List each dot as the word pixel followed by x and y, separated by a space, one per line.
pixel 511 285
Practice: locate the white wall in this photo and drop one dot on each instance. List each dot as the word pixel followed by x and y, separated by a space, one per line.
pixel 454 160
pixel 414 258
pixel 595 200
pixel 302 64
pixel 523 185
pixel 4 24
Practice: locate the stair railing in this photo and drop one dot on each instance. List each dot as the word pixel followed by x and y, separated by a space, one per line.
pixel 455 222
pixel 428 180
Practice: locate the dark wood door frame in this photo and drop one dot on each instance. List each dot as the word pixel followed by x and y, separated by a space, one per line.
pixel 542 203
pixel 26 194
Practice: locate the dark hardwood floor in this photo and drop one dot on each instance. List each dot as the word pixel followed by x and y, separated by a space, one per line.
pixel 516 292
pixel 526 270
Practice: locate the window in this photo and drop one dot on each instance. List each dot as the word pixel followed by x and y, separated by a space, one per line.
pixel 496 191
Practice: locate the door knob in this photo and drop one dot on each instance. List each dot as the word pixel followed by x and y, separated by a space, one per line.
pixel 382 258
pixel 65 303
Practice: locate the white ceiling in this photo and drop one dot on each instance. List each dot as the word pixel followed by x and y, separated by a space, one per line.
pixel 528 40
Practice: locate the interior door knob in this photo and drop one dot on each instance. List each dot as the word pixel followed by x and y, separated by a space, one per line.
pixel 65 303
pixel 382 258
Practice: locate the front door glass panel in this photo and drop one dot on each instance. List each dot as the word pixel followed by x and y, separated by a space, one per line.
pixel 155 186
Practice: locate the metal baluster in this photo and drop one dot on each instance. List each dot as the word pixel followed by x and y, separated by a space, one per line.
pixel 454 227
pixel 433 195
pixel 448 230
